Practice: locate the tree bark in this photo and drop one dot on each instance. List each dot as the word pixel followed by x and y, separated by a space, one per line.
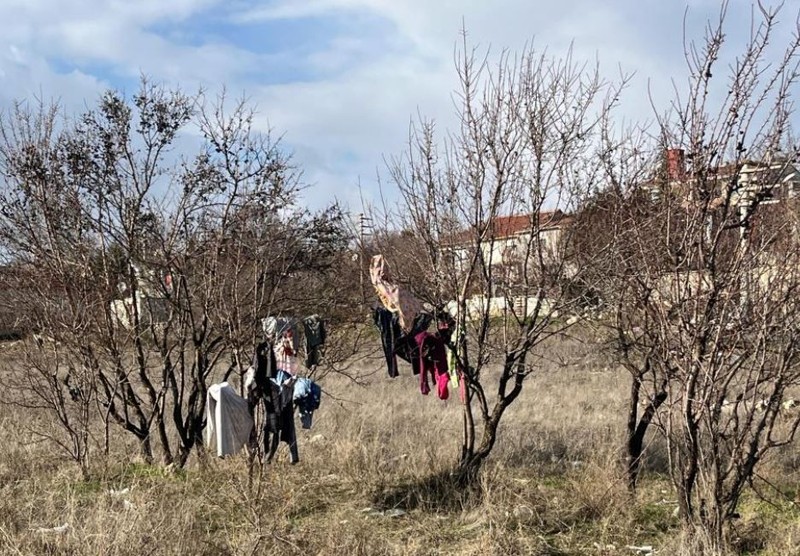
pixel 637 429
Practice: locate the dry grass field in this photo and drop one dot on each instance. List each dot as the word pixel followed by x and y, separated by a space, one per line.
pixel 373 479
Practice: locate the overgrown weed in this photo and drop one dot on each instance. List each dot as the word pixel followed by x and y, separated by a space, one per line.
pixel 552 486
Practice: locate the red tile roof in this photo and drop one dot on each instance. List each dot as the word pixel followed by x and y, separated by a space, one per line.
pixel 509 226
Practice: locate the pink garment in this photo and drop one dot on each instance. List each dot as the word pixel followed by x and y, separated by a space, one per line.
pixel 285 356
pixel 392 296
pixel 433 360
pixel 442 380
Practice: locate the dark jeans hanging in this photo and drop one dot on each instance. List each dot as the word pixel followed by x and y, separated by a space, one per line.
pixel 389 327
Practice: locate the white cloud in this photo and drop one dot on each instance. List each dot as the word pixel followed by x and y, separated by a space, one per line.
pixel 108 34
pixel 358 91
pixel 367 111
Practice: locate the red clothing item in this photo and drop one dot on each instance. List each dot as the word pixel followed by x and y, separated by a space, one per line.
pixel 433 360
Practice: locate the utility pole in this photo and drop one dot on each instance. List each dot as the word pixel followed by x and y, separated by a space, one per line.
pixel 364 230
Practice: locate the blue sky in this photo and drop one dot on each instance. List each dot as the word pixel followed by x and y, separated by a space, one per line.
pixel 339 79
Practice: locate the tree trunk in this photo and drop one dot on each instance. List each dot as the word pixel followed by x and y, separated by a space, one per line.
pixel 164 438
pixel 634 447
pixel 469 466
pixel 183 455
pixel 146 450
pixel 637 429
pixel 469 470
pixel 689 440
pixel 471 462
pixel 468 440
pixel 705 533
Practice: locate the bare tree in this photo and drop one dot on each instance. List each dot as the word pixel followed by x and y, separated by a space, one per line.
pixel 526 144
pixel 703 298
pixel 599 228
pixel 149 271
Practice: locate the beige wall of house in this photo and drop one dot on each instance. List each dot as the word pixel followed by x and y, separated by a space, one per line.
pixel 507 251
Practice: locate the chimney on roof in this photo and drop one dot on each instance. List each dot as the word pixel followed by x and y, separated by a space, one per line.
pixel 676 169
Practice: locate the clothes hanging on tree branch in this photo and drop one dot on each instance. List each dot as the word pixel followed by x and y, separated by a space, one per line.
pixel 393 297
pixel 315 336
pixel 433 362
pixel 275 328
pixel 228 421
pixel 307 395
pixel 273 388
pixel 389 327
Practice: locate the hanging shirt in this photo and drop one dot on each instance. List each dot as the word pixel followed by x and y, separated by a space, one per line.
pixel 228 421
pixel 276 327
pixel 307 395
pixel 406 346
pixel 257 377
pixel 280 410
pixel 314 332
pixel 286 354
pixel 433 362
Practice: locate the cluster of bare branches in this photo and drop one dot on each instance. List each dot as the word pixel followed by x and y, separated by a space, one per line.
pixel 701 283
pixel 143 273
pixel 526 146
pixel 684 243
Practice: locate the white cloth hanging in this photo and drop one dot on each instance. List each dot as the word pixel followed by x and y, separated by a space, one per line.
pixel 228 422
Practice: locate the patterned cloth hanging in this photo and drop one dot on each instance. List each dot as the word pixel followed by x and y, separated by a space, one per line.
pixel 393 297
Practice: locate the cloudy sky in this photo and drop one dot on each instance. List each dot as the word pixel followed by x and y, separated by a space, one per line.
pixel 339 78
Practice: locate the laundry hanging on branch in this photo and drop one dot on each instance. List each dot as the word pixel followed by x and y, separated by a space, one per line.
pixel 228 421
pixel 306 396
pixel 403 324
pixel 315 336
pixel 389 327
pixel 393 297
pixel 273 383
pixel 273 388
pixel 286 333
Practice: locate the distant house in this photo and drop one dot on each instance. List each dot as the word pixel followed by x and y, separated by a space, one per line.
pixel 152 303
pixel 746 181
pixel 506 245
pixel 739 205
pixel 509 238
pixel 773 182
pixel 744 197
